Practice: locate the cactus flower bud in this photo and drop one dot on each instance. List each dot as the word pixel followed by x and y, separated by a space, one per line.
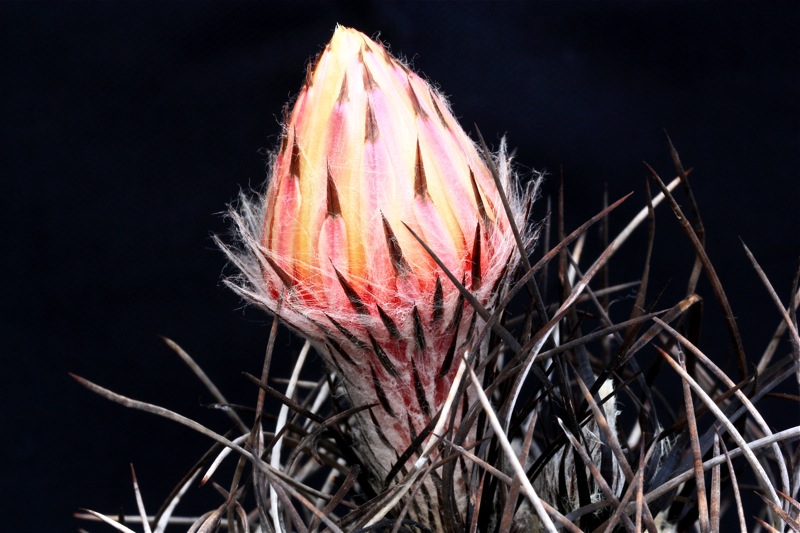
pixel 370 153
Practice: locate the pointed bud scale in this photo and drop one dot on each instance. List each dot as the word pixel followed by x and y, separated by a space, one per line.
pixel 370 150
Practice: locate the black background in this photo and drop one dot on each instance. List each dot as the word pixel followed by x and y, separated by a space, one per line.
pixel 127 127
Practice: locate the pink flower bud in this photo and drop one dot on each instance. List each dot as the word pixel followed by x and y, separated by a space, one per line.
pixel 371 150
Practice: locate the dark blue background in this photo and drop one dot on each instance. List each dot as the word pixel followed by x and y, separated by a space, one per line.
pixel 127 127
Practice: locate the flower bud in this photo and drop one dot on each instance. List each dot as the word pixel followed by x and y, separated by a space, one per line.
pixel 371 153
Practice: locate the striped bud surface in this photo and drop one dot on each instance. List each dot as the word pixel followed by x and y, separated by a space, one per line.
pixel 371 155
